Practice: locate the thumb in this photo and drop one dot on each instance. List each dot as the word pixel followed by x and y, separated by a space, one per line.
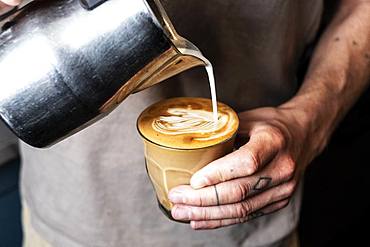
pixel 244 162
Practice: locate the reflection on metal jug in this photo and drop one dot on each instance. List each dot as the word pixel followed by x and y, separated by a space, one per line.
pixel 65 64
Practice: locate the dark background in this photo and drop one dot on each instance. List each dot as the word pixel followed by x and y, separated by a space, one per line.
pixel 336 208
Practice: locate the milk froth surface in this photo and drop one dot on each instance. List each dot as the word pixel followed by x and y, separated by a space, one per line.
pixel 187 123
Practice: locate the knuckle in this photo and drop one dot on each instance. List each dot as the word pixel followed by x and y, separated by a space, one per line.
pixel 272 134
pixel 288 168
pixel 203 215
pixel 277 136
pixel 241 211
pixel 242 190
pixel 244 209
pixel 201 200
pixel 290 188
pixel 250 160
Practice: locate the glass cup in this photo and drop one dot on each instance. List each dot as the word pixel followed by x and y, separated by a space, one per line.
pixel 169 167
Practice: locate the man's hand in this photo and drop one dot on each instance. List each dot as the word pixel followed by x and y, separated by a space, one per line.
pixel 255 180
pixel 262 175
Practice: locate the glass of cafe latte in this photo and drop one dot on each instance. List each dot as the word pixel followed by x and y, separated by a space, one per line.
pixel 180 137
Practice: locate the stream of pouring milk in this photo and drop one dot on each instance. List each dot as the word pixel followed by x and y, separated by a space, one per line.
pixel 193 120
pixel 212 84
pixel 211 79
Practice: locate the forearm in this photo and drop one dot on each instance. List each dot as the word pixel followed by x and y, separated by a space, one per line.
pixel 338 74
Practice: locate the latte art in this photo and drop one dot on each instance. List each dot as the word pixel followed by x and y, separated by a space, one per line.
pixel 189 121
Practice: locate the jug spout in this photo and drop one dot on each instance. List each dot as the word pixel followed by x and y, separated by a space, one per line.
pixel 178 63
pixel 181 56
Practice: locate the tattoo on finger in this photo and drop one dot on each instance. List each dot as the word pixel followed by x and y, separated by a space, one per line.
pixel 262 183
pixel 217 196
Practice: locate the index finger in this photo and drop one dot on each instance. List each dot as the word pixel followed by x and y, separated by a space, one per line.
pixel 247 160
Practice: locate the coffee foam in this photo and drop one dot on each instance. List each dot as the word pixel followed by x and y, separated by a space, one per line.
pixel 187 123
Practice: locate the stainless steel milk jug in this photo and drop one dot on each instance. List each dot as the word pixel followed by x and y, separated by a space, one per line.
pixel 64 64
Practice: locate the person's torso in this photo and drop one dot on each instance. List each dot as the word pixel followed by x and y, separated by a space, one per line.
pixel 92 189
pixel 254 46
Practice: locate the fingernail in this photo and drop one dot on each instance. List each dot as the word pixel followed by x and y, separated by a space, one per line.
pixel 176 196
pixel 198 182
pixel 180 213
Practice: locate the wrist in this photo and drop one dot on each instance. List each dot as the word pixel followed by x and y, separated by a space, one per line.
pixel 317 114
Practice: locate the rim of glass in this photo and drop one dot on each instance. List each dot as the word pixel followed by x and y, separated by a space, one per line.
pixel 183 149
